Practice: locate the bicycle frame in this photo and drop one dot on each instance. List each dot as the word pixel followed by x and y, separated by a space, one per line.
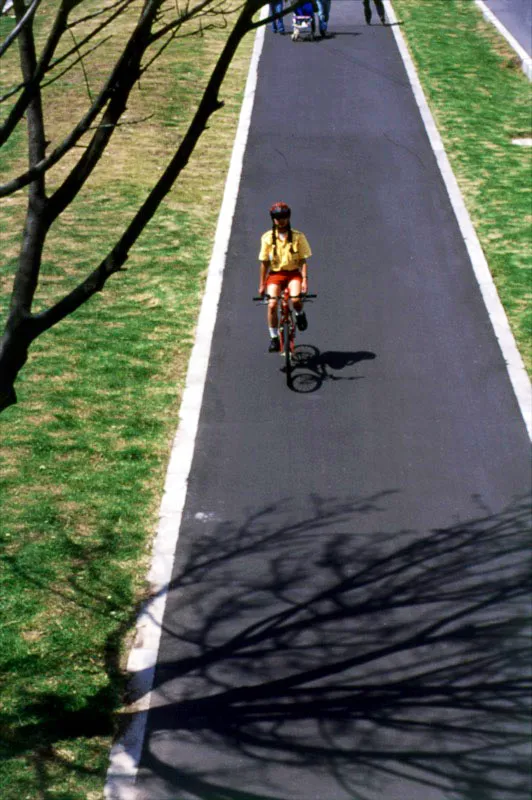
pixel 287 326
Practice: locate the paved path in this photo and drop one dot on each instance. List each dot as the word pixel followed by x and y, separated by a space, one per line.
pixel 343 618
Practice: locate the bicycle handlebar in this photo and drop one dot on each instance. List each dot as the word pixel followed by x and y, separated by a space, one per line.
pixel 266 296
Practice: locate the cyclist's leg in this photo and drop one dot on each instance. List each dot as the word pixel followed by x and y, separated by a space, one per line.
pixel 295 290
pixel 274 290
pixel 294 286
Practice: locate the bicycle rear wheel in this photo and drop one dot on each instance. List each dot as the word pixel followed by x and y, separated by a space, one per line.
pixel 287 350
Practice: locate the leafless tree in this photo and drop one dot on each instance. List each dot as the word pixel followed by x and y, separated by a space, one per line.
pixel 80 27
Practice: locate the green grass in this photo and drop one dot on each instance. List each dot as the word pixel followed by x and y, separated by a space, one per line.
pixel 84 453
pixel 481 101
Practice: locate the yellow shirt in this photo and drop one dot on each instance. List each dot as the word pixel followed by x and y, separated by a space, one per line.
pixel 283 258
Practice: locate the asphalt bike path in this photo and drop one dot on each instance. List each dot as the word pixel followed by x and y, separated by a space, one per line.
pixel 344 611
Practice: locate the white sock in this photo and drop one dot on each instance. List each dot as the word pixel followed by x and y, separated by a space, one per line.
pixel 274 332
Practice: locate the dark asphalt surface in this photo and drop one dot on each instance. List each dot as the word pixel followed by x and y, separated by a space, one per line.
pixel 345 610
pixel 516 16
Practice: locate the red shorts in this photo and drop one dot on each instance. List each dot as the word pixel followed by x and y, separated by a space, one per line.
pixel 283 277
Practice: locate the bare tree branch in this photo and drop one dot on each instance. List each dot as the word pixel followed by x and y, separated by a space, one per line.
pixel 46 65
pixel 126 75
pixel 32 81
pixel 34 231
pixel 89 37
pixel 119 255
pixel 78 60
pixel 119 4
pixel 22 326
pixel 28 16
pixel 119 75
pixel 183 17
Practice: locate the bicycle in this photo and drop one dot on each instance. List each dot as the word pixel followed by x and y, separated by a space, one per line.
pixel 287 326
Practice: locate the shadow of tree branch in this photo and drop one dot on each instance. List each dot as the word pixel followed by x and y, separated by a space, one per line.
pixel 355 659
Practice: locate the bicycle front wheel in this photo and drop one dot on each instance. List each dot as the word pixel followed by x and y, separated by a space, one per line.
pixel 287 350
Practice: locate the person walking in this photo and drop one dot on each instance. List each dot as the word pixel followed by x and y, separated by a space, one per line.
pixel 324 10
pixel 380 11
pixel 283 262
pixel 276 11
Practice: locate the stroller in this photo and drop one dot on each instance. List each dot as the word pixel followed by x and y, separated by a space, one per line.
pixel 303 23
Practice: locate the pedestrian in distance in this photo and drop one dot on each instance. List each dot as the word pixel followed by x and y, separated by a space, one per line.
pixel 380 11
pixel 276 11
pixel 324 10
pixel 283 263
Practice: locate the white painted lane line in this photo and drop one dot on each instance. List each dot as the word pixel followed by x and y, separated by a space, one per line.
pixel 526 61
pixel 125 754
pixel 514 362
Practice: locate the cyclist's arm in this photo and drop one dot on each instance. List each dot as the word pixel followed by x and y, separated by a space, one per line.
pixel 304 273
pixel 305 251
pixel 264 270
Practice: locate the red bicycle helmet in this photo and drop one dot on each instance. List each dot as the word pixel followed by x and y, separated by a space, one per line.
pixel 280 210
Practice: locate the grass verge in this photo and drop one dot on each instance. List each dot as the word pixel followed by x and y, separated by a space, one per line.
pixel 85 451
pixel 481 101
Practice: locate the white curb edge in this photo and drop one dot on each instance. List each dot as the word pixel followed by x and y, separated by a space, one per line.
pixel 526 60
pixel 125 753
pixel 512 357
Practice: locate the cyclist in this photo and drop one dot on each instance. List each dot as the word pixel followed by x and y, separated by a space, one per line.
pixel 283 262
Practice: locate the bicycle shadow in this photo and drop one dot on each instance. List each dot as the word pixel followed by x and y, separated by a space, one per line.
pixel 311 367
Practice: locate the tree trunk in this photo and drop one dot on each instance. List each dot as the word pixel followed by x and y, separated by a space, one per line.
pixel 23 326
pixel 14 345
